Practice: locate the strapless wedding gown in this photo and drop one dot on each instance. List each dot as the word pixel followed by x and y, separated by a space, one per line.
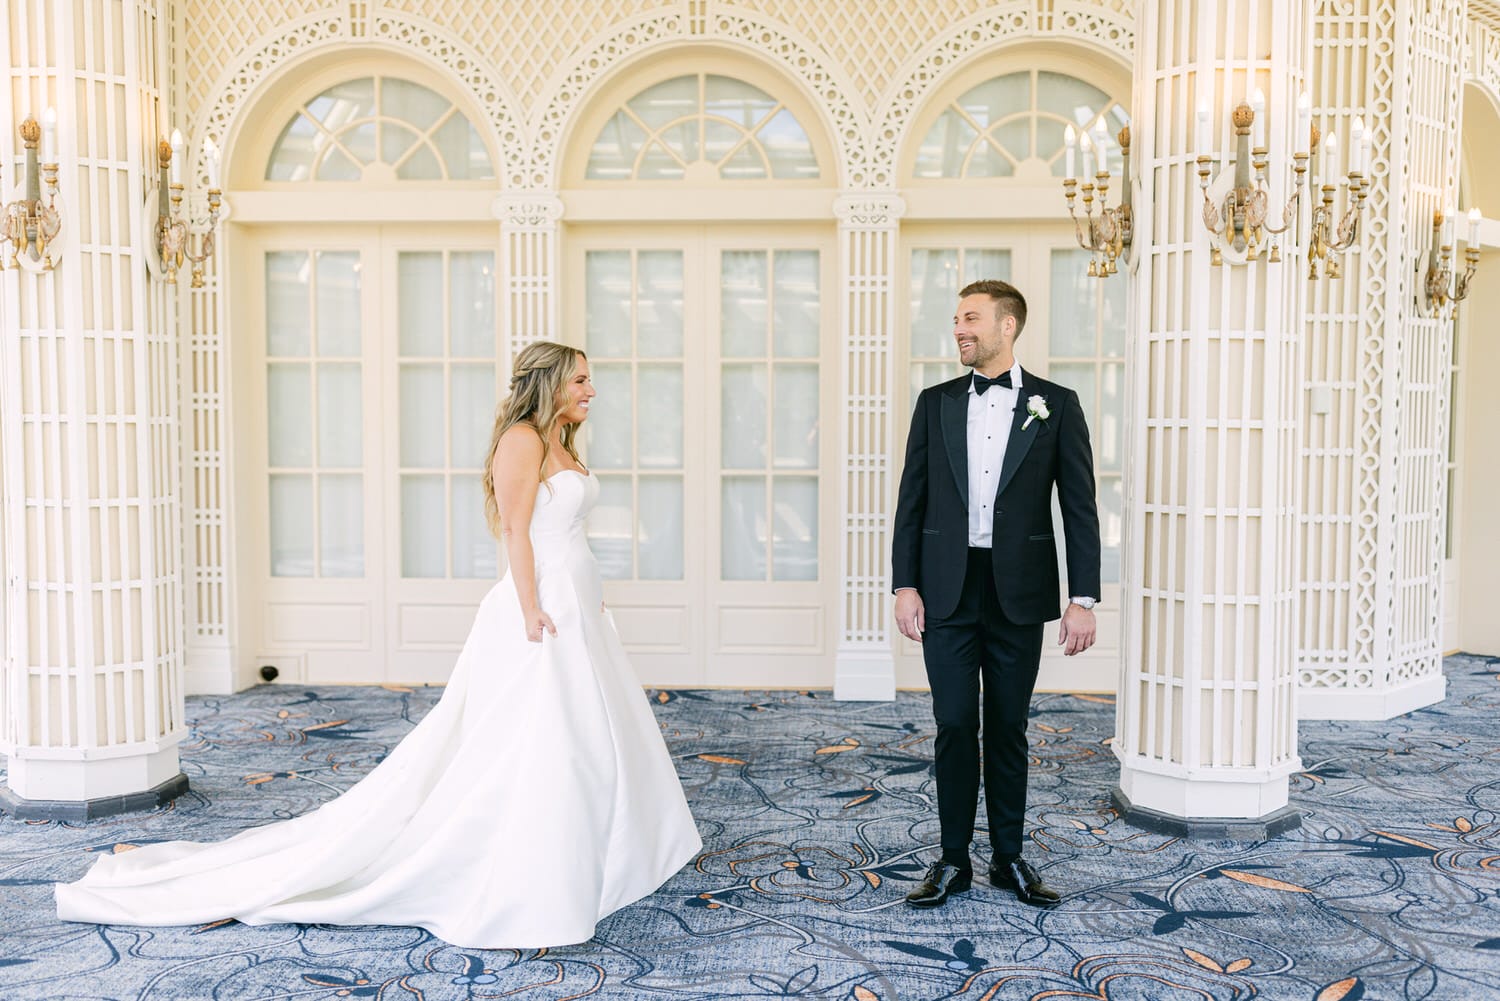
pixel 534 799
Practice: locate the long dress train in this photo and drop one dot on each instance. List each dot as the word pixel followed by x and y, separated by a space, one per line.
pixel 535 798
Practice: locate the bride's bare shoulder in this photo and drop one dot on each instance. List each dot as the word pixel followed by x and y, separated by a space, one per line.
pixel 520 444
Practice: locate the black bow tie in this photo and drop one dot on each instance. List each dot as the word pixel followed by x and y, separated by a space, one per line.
pixel 981 383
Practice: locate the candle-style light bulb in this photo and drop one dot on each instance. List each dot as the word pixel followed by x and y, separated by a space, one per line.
pixel 211 159
pixel 49 136
pixel 1258 106
pixel 1302 142
pixel 1101 146
pixel 1070 139
pixel 1330 160
pixel 1474 218
pixel 179 150
pixel 1201 142
pixel 1087 149
pixel 1357 145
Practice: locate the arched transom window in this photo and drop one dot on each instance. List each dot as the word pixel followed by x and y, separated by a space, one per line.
pixel 702 127
pixel 1010 120
pixel 379 128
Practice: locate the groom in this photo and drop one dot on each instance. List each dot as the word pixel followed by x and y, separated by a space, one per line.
pixel 974 569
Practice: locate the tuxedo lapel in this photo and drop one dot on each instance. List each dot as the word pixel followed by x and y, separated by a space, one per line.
pixel 1020 441
pixel 955 420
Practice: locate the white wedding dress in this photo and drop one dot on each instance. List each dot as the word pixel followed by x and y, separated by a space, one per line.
pixel 534 799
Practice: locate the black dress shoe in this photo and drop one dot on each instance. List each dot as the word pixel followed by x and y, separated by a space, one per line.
pixel 1018 875
pixel 941 880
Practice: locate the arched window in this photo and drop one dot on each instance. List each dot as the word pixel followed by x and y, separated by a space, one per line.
pixel 714 126
pixel 991 129
pixel 378 126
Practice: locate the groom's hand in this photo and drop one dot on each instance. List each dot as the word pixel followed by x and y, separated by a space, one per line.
pixel 1076 632
pixel 911 616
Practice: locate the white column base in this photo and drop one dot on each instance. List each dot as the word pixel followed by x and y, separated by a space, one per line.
pixel 208 670
pixel 864 675
pixel 77 778
pixel 1214 794
pixel 1371 704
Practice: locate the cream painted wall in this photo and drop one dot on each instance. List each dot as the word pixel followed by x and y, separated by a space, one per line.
pixel 1479 467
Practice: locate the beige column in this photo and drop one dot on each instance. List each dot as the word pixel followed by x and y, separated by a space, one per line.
pixel 1206 726
pixel 529 224
pixel 92 710
pixel 869 227
pixel 1369 642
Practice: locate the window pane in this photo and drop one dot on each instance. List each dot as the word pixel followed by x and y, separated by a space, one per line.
pixel 287 304
pixel 359 142
pixel 608 431
pixel 660 535
pixel 719 140
pixel 1014 137
pixel 424 527
pixel 666 102
pixel 472 415
pixel 741 103
pixel 797 319
pixel 422 432
pixel 607 287
pixel 289 414
pixel 986 160
pixel 746 164
pixel 474 549
pixel 295 150
pixel 934 293
pixel 743 528
pixel 657 164
pixel 419 285
pixel 661 417
pixel 743 420
pixel 338 303
pixel 614 152
pixel 1069 97
pixel 291 522
pixel 338 167
pixel 1111 527
pixel 795 545
pixel 343 103
pixel 658 311
pixel 465 156
pixel 787 147
pixel 997 98
pixel 340 416
pixel 1112 319
pixel 1082 378
pixel 945 147
pixel 796 417
pixel 982 264
pixel 471 303
pixel 743 303
pixel 395 140
pixel 611 528
pixel 1075 305
pixel 1109 434
pixel 411 102
pixel 341 525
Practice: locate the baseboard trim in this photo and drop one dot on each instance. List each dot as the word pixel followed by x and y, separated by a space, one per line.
pixel 1276 823
pixel 92 809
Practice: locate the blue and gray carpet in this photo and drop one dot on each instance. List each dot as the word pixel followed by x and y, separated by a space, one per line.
pixel 817 816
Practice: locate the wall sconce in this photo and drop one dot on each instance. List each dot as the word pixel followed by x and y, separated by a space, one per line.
pixel 1108 236
pixel 29 226
pixel 177 236
pixel 1240 223
pixel 1325 244
pixel 1440 262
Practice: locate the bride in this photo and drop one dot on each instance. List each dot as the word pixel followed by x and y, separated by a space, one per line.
pixel 534 799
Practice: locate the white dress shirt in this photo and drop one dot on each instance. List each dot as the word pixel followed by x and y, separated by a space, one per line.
pixel 990 416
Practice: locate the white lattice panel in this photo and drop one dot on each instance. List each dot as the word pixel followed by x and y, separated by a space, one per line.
pixel 90 411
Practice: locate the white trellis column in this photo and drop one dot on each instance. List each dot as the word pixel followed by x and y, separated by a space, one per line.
pixel 529 225
pixel 1206 727
pixel 869 227
pixel 1370 638
pixel 92 708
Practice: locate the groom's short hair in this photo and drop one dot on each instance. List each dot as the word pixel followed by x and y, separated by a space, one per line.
pixel 1008 299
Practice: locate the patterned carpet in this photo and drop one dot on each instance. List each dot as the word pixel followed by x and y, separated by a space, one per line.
pixel 817 816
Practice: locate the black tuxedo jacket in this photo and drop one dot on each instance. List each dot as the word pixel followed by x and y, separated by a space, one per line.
pixel 930 538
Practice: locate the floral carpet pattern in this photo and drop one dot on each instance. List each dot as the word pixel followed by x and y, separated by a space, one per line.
pixel 817 816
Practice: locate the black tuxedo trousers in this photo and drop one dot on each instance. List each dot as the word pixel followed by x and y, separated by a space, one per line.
pixel 977 648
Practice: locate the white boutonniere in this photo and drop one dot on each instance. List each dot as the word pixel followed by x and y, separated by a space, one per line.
pixel 1036 406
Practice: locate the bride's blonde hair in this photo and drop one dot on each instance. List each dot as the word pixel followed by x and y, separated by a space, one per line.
pixel 538 381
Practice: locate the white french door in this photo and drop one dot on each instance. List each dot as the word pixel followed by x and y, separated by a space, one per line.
pixel 715 527
pixel 374 368
pixel 1074 335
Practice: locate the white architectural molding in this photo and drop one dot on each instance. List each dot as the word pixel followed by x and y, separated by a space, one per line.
pixel 94 709
pixel 529 223
pixel 869 226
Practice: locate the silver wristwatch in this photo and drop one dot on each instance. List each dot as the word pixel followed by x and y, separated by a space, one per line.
pixel 1088 603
